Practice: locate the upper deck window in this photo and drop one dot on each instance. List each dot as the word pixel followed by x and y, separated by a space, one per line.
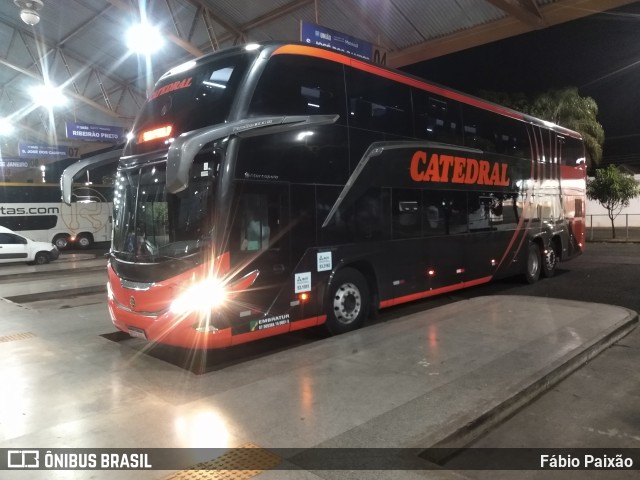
pixel 380 104
pixel 298 85
pixel 194 98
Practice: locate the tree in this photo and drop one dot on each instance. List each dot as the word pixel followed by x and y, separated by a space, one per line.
pixel 567 108
pixel 564 107
pixel 613 190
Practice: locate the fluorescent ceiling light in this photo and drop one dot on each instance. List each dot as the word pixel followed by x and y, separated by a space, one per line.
pixel 48 96
pixel 144 39
pixel 6 127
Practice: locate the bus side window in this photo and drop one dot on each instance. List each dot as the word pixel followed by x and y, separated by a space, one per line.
pixel 363 219
pixel 294 85
pixel 511 138
pixel 406 213
pixel 255 231
pixel 445 212
pixel 376 103
pixel 479 128
pixel 486 210
pixel 437 118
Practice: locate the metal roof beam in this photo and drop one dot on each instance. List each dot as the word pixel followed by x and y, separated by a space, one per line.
pixel 526 11
pixel 81 98
pixel 58 48
pixel 234 31
pixel 274 14
pixel 555 13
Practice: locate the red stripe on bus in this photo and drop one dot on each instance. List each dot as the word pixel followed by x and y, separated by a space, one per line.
pixel 270 332
pixel 308 322
pixel 429 293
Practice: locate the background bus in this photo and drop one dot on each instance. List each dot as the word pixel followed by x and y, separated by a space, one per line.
pixel 281 186
pixel 36 211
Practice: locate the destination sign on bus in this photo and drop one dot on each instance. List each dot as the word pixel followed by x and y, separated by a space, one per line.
pixel 172 87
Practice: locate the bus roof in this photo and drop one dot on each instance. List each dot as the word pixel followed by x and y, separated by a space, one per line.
pixel 408 79
pixel 298 48
pixel 279 48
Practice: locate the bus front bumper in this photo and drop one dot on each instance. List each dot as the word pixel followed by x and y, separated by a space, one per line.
pixel 186 331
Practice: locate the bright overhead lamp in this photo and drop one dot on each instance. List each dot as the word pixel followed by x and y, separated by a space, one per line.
pixel 29 11
pixel 144 39
pixel 6 127
pixel 48 96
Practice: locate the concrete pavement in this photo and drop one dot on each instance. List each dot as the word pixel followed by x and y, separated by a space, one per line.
pixel 431 379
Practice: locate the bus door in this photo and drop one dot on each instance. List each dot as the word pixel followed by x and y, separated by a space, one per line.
pixel 260 242
pixel 445 225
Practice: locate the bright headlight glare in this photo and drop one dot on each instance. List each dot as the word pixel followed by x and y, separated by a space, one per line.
pixel 200 297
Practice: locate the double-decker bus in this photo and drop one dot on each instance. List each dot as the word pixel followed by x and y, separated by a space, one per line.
pixel 37 211
pixel 274 187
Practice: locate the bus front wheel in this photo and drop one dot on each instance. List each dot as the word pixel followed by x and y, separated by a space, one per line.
pixel 348 302
pixel 61 241
pixel 534 263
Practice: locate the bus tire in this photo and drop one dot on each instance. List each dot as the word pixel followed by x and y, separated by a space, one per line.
pixel 534 263
pixel 41 258
pixel 84 240
pixel 550 261
pixel 348 302
pixel 61 241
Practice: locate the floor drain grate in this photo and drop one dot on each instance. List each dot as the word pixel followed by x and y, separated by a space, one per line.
pixel 238 464
pixel 17 336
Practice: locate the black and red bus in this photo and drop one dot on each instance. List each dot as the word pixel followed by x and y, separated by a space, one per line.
pixel 274 187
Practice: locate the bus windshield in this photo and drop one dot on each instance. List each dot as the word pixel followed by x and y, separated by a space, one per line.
pixel 194 98
pixel 152 225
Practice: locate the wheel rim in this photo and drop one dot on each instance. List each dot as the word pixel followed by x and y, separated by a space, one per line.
pixel 84 242
pixel 347 303
pixel 61 242
pixel 40 260
pixel 550 259
pixel 533 263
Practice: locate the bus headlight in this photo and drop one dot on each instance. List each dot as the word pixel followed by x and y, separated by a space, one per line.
pixel 200 297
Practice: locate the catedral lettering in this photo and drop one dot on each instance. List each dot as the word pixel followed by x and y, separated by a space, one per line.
pixel 171 88
pixel 447 168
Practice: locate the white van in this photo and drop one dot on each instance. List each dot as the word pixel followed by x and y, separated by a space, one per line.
pixel 16 248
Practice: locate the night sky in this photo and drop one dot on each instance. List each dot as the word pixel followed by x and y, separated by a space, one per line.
pixel 599 54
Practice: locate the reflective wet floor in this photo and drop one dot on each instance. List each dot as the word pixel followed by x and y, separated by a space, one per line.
pixel 70 381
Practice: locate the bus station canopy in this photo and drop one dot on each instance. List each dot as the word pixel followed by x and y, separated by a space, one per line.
pixel 79 44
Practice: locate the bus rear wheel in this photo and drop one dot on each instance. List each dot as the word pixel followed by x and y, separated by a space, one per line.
pixel 550 261
pixel 61 241
pixel 348 302
pixel 84 240
pixel 534 263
